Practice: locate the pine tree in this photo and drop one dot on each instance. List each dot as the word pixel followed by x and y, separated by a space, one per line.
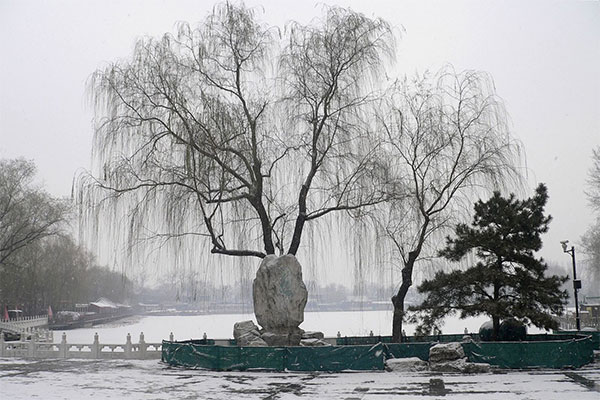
pixel 508 280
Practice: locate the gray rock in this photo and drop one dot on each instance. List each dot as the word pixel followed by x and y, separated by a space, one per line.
pixel 446 352
pixel 313 335
pixel 282 339
pixel 476 368
pixel 409 364
pixel 313 342
pixel 460 366
pixel 246 334
pixel 258 342
pixel 280 296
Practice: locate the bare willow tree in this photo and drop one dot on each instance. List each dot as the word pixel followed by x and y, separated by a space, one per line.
pixel 27 213
pixel 240 132
pixel 449 139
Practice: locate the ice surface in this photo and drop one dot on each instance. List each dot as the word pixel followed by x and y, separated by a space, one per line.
pixel 157 328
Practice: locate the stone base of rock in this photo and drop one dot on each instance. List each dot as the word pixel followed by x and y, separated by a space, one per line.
pixel 313 335
pixel 311 339
pixel 409 364
pixel 246 333
pixel 314 342
pixel 282 339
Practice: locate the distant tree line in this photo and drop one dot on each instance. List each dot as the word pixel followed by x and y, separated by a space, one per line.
pixel 189 291
pixel 40 264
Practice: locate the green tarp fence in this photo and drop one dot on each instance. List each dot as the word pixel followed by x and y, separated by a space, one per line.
pixel 540 351
pixel 226 358
pixel 594 334
pixel 573 353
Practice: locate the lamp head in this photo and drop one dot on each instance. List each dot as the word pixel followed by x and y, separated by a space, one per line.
pixel 564 245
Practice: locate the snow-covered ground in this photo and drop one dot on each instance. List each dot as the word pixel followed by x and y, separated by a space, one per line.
pixel 150 379
pixel 79 379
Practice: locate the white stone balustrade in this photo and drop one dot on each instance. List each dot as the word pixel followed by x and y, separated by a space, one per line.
pixel 96 350
pixel 35 321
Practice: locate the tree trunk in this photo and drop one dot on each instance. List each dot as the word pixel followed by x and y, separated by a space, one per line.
pixel 301 219
pixel 398 302
pixel 496 328
pixel 398 299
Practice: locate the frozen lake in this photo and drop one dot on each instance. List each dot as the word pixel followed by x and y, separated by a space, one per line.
pixel 157 328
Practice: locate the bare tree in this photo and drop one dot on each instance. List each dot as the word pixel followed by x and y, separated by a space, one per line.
pixel 591 239
pixel 449 139
pixel 226 132
pixel 56 272
pixel 27 213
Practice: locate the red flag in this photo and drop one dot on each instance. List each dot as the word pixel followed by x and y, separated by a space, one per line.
pixel 6 314
pixel 50 314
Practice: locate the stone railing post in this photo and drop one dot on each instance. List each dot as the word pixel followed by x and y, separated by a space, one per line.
pixel 63 349
pixel 142 346
pixel 96 347
pixel 128 347
pixel 31 347
pixel 2 345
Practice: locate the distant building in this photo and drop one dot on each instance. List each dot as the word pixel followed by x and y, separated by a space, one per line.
pixel 105 306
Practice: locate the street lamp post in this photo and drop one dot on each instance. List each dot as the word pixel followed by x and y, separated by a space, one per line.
pixel 576 282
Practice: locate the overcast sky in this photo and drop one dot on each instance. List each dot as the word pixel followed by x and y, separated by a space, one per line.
pixel 543 55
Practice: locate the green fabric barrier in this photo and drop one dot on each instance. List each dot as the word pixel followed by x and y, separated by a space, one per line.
pixel 334 358
pixel 532 354
pixel 406 350
pixel 546 351
pixel 225 358
pixel 594 334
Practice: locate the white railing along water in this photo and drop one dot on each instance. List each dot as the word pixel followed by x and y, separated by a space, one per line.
pixel 96 350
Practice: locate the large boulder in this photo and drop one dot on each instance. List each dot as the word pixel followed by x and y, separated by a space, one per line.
pixel 446 352
pixel 246 333
pixel 450 357
pixel 279 298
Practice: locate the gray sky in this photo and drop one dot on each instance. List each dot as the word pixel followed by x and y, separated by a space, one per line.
pixel 544 57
